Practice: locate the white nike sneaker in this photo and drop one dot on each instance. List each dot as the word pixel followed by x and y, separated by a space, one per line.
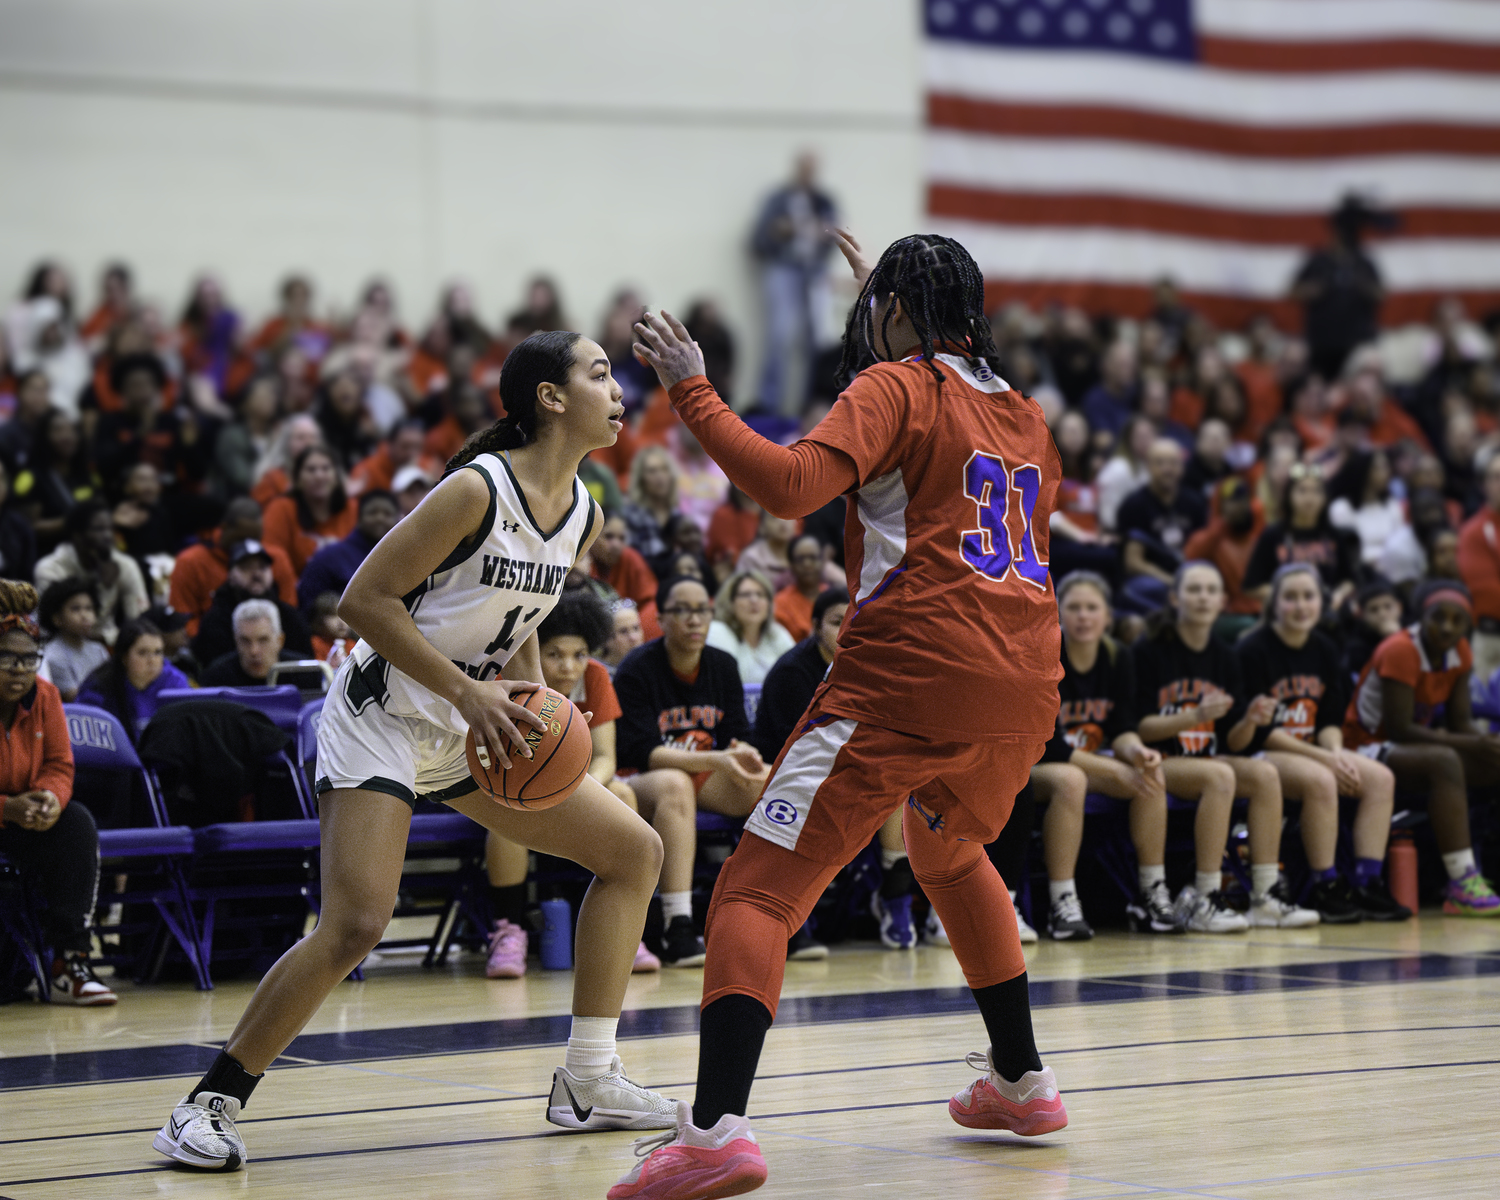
pixel 1275 910
pixel 201 1133
pixel 609 1102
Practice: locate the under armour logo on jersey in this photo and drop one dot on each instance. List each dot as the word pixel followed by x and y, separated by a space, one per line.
pixel 510 526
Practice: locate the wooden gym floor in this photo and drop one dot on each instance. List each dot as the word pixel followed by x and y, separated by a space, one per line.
pixel 1359 1061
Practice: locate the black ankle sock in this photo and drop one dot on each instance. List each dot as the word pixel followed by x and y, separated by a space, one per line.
pixel 898 881
pixel 731 1032
pixel 1006 1009
pixel 228 1078
pixel 508 903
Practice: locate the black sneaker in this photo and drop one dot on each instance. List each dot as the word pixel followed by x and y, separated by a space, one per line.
pixel 1377 904
pixel 680 945
pixel 1065 921
pixel 1335 902
pixel 803 947
pixel 1151 911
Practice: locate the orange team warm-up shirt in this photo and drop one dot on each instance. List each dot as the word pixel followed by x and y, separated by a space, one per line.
pixel 1479 561
pixel 1402 657
pixel 280 529
pixel 794 612
pixel 35 754
pixel 953 631
pixel 1216 544
pixel 598 695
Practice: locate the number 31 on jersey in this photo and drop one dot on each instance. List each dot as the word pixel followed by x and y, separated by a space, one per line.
pixel 988 549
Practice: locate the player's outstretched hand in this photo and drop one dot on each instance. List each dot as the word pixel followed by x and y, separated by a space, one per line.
pixel 662 342
pixel 493 717
pixel 858 263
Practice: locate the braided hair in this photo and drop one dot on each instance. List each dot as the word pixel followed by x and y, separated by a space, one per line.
pixel 18 601
pixel 942 293
pixel 541 358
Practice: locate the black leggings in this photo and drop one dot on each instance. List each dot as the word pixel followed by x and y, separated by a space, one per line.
pixel 63 864
pixel 1008 851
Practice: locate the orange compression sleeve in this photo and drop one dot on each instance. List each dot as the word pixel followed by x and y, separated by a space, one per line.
pixel 787 481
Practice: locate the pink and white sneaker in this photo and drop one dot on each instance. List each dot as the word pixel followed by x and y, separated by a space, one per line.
pixel 688 1163
pixel 1030 1106
pixel 645 961
pixel 507 952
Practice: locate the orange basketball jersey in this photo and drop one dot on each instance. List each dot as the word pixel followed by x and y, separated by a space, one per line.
pixel 952 631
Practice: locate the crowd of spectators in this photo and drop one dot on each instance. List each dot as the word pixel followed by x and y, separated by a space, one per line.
pixel 190 496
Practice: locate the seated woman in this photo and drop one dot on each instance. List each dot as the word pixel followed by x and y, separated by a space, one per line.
pixel 652 500
pixel 625 636
pixel 69 615
pixel 1097 720
pixel 579 624
pixel 1305 534
pixel 744 627
pixel 130 683
pixel 315 512
pixel 683 734
pixel 49 839
pixel 1195 712
pixel 794 603
pixel 1362 501
pixel 1411 711
pixel 1288 659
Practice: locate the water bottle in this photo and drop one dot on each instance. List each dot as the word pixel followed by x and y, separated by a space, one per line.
pixel 1401 868
pixel 557 935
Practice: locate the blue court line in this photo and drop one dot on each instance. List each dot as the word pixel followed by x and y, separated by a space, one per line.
pixel 525 1137
pixel 429 1041
pixel 513 1097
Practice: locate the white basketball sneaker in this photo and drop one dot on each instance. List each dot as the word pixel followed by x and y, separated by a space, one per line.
pixel 609 1102
pixel 1275 910
pixel 201 1133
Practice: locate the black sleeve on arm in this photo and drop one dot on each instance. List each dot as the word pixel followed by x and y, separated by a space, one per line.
pixel 730 696
pixel 1262 564
pixel 1122 713
pixel 1228 667
pixel 636 734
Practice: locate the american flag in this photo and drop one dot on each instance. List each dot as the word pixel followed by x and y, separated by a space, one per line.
pixel 1083 149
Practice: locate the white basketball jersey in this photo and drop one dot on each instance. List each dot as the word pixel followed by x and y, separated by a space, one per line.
pixel 482 602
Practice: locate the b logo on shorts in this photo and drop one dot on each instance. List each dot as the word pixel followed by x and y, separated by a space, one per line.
pixel 781 811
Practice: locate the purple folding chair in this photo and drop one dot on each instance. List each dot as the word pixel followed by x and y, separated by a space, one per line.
pixel 101 743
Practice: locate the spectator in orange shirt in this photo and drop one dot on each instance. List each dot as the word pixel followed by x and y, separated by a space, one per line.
pixel 1389 422
pixel 732 527
pixel 794 603
pixel 467 413
pixel 201 569
pixel 54 842
pixel 1227 541
pixel 294 325
pixel 116 301
pixel 624 568
pixel 314 512
pixel 1258 375
pixel 403 448
pixel 1479 561
pixel 298 432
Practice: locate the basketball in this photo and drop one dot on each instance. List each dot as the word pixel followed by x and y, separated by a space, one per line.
pixel 560 756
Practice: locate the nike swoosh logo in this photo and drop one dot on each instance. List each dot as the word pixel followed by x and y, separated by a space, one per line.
pixel 175 1127
pixel 582 1114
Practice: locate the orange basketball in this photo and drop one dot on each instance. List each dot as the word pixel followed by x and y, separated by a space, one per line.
pixel 560 754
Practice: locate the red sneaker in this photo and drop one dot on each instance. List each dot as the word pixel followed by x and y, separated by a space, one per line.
pixel 688 1163
pixel 1030 1106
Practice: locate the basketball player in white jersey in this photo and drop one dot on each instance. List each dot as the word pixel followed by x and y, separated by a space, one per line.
pixel 446 600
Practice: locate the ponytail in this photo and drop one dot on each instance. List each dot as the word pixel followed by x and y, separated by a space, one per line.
pixel 541 358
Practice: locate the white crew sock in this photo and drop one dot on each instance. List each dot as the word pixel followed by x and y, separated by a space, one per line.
pixel 591 1046
pixel 676 904
pixel 1058 888
pixel 1207 881
pixel 1460 863
pixel 1151 876
pixel 889 858
pixel 1263 877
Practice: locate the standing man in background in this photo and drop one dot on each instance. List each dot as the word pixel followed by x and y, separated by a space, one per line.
pixel 792 242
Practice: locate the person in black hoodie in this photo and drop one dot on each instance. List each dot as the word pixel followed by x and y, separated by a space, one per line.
pixel 683 724
pixel 1288 659
pixel 1097 719
pixel 1305 534
pixel 250 578
pixel 1194 710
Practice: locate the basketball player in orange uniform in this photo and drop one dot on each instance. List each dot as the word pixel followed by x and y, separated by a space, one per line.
pixel 941 695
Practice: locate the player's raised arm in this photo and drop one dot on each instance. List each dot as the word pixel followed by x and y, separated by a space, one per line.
pixel 786 481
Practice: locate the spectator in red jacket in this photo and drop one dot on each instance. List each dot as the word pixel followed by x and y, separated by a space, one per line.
pixel 40 831
pixel 622 567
